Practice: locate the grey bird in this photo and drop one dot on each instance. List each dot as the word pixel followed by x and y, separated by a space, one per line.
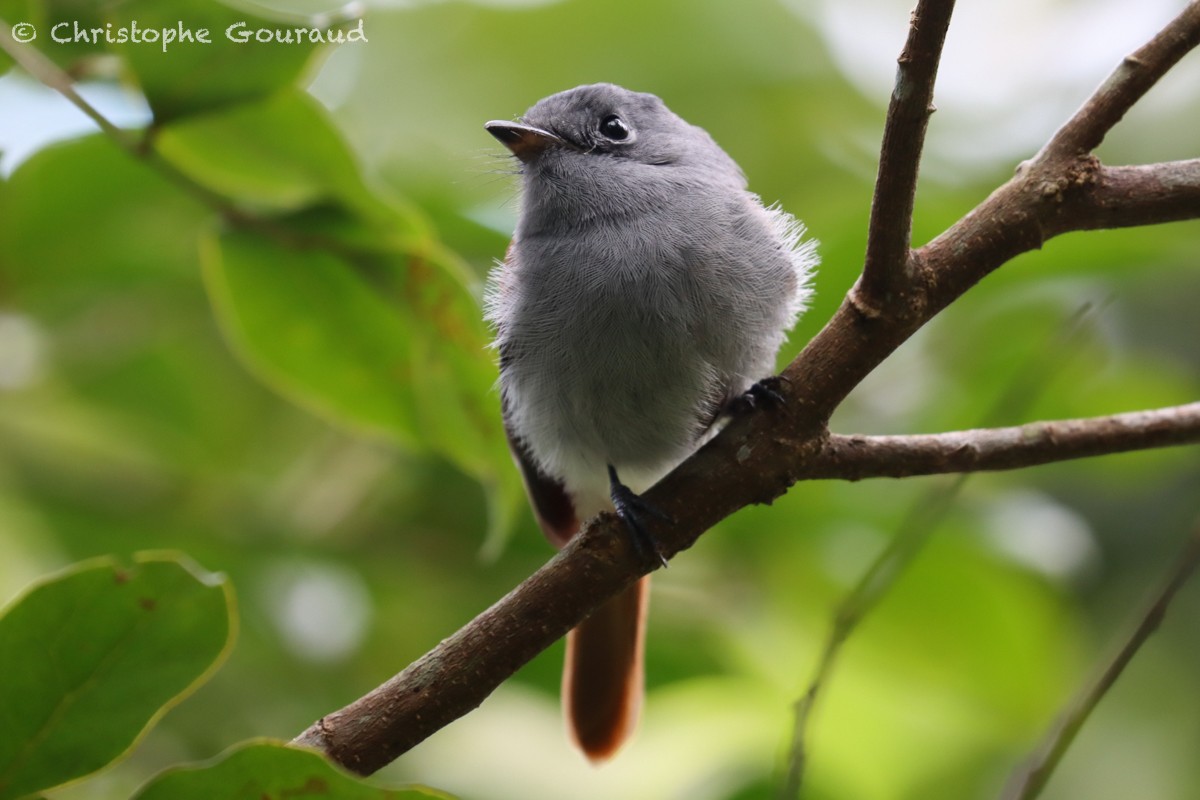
pixel 644 295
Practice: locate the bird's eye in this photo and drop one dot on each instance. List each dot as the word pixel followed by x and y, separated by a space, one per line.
pixel 614 128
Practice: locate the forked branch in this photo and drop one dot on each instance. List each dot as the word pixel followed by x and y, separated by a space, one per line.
pixel 759 457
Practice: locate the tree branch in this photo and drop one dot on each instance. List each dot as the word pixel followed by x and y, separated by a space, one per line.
pixel 987 449
pixel 1122 197
pixel 50 75
pixel 890 229
pixel 758 457
pixel 1128 83
pixel 142 149
pixel 923 518
pixel 458 674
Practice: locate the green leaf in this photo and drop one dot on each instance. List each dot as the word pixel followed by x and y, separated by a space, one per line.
pixel 179 53
pixel 43 15
pixel 96 654
pixel 191 76
pixel 264 770
pixel 280 155
pixel 388 342
pixel 343 300
pixel 308 325
pixel 137 226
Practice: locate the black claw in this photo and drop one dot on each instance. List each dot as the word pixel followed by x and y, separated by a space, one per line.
pixel 632 510
pixel 763 394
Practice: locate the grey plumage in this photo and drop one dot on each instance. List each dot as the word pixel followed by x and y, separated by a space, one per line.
pixel 645 289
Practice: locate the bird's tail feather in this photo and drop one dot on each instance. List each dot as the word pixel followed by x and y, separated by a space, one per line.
pixel 603 677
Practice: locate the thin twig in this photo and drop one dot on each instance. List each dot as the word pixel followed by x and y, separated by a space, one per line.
pixel 1128 83
pixel 1029 781
pixel 988 449
pixel 918 525
pixel 48 73
pixel 142 149
pixel 890 228
pixel 922 519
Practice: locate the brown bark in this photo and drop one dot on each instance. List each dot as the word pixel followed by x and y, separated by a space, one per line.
pixel 1063 188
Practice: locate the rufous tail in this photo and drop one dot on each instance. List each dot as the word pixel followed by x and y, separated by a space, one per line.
pixel 602 680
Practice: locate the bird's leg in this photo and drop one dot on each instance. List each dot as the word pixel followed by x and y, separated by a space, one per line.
pixel 633 510
pixel 763 394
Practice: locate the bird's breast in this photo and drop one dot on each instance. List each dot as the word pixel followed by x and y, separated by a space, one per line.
pixel 611 365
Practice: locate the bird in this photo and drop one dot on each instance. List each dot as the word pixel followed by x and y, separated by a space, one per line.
pixel 641 302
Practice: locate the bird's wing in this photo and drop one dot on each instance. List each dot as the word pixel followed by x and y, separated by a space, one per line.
pixel 551 504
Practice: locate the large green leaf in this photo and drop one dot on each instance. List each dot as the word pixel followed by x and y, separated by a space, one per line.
pixel 137 227
pixel 95 654
pixel 190 76
pixel 265 770
pixel 340 299
pixel 390 343
pixel 280 155
pixel 308 325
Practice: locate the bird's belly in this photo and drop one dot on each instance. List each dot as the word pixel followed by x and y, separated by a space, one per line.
pixel 615 384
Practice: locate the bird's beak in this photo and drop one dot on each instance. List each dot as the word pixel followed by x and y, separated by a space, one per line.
pixel 525 141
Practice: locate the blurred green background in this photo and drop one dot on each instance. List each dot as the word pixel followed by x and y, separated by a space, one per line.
pixel 304 402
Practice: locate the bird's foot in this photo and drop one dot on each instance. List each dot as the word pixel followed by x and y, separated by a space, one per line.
pixel 633 511
pixel 763 394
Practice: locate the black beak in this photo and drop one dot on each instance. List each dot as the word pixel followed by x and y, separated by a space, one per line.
pixel 525 141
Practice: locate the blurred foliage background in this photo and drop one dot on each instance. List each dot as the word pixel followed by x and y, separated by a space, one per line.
pixel 304 402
